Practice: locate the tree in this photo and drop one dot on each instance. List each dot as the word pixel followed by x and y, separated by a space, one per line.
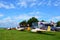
pixel 24 23
pixel 32 20
pixel 43 21
pixel 58 24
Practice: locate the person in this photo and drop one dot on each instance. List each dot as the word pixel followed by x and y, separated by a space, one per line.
pixel 49 28
pixel 28 27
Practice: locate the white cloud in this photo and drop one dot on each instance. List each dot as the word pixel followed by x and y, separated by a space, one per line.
pixel 14 20
pixel 6 6
pixel 5 20
pixel 22 17
pixel 49 3
pixel 1 15
pixel 56 3
pixel 8 22
pixel 32 0
pixel 32 4
pixel 12 5
pixel 57 18
pixel 40 3
pixel 27 3
pixel 27 16
pixel 34 13
pixel 29 0
pixel 22 4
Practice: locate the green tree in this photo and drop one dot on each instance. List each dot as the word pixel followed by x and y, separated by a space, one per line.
pixel 43 21
pixel 24 23
pixel 32 20
pixel 58 24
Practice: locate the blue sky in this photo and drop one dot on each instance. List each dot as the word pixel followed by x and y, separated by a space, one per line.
pixel 14 11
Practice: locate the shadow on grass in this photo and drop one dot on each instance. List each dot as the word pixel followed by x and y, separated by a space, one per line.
pixel 46 33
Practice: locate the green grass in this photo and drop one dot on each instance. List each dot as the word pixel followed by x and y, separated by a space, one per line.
pixel 24 35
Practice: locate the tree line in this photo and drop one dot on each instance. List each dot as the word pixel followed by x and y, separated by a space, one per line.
pixel 32 20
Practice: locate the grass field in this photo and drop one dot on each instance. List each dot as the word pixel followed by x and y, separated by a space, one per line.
pixel 24 35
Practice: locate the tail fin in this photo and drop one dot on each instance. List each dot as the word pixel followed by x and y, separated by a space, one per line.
pixel 49 28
